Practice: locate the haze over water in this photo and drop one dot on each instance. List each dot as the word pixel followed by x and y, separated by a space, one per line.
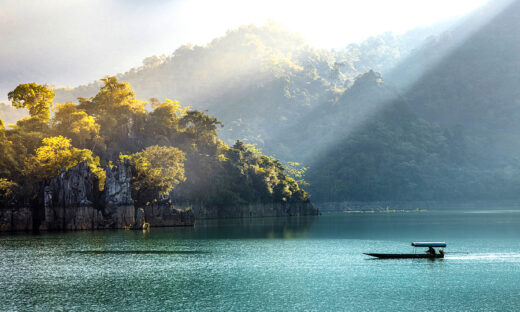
pixel 271 264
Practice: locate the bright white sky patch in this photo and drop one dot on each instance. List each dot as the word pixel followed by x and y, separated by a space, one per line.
pixel 325 23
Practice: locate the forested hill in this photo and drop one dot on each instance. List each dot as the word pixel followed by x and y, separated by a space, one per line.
pixel 260 80
pixel 453 134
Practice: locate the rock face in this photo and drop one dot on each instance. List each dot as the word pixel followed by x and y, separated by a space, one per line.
pixel 254 210
pixel 15 219
pixel 119 210
pixel 72 201
pixel 69 201
pixel 164 213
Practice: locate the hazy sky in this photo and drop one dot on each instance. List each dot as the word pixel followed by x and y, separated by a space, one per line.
pixel 67 42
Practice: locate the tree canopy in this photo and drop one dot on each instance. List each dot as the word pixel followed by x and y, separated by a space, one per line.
pixel 55 154
pixel 36 98
pixel 157 169
pixel 171 148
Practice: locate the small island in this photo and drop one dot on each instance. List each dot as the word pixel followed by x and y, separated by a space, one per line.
pixel 115 162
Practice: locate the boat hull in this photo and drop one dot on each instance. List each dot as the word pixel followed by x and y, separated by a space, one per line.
pixel 404 256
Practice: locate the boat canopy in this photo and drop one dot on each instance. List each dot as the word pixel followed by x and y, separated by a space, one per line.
pixel 429 244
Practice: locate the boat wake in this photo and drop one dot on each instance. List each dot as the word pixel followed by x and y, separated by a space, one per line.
pixel 498 257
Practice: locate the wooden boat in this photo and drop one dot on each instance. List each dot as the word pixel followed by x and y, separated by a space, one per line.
pixel 430 254
pixel 405 256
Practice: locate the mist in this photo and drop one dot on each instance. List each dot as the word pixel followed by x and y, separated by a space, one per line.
pixel 66 44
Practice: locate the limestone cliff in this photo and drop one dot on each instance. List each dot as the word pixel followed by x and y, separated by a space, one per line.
pixel 116 199
pixel 253 210
pixel 72 201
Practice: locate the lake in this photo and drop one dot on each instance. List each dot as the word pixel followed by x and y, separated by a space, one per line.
pixel 271 264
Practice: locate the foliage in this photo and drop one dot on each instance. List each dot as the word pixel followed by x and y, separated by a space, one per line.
pixel 450 132
pixel 8 163
pixel 36 98
pixel 239 175
pixel 55 154
pixel 297 172
pixel 76 124
pixel 157 169
pixel 7 188
pixel 118 114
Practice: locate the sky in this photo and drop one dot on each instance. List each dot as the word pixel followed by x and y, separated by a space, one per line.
pixel 71 42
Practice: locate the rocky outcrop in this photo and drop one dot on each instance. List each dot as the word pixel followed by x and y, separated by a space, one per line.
pixel 69 201
pixel 116 200
pixel 15 219
pixel 163 213
pixel 253 210
pixel 72 201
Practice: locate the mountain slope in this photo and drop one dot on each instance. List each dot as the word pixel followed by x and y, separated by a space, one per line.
pixel 454 134
pixel 259 81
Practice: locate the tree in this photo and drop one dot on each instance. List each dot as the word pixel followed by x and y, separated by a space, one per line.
pixel 118 113
pixel 201 130
pixel 76 124
pixel 57 153
pixel 8 163
pixel 36 98
pixel 162 125
pixel 6 188
pixel 156 171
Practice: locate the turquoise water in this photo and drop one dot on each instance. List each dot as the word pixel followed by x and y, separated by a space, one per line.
pixel 271 264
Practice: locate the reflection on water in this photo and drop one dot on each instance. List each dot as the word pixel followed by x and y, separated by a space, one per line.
pixel 285 227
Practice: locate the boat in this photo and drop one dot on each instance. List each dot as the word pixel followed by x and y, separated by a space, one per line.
pixel 405 256
pixel 431 253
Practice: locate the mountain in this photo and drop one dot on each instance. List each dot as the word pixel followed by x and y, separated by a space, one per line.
pixel 453 133
pixel 265 77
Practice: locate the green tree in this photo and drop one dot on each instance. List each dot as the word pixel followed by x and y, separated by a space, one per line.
pixel 162 126
pixel 8 163
pixel 201 130
pixel 36 98
pixel 57 153
pixel 7 188
pixel 76 124
pixel 119 114
pixel 156 171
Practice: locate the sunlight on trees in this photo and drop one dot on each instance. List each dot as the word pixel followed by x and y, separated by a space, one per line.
pixel 55 154
pixel 157 169
pixel 169 147
pixel 76 124
pixel 36 98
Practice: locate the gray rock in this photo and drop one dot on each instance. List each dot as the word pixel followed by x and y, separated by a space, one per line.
pixel 72 201
pixel 253 210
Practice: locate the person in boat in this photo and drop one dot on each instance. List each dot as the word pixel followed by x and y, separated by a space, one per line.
pixel 441 252
pixel 431 251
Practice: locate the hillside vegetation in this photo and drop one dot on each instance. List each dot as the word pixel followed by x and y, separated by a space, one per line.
pixel 170 148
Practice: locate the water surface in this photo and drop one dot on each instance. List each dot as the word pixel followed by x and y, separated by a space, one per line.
pixel 271 264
